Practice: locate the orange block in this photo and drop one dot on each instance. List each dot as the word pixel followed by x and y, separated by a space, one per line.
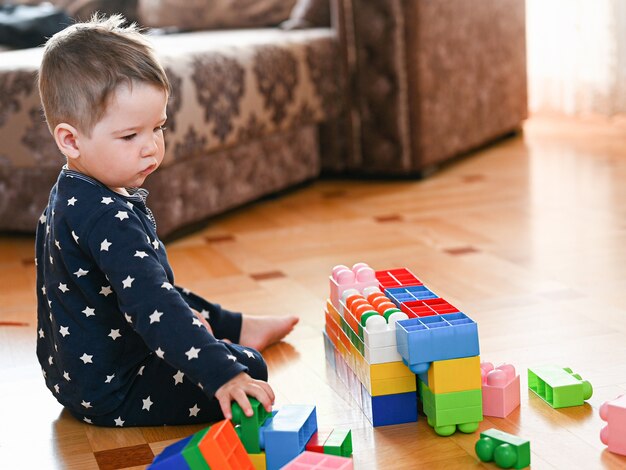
pixel 222 449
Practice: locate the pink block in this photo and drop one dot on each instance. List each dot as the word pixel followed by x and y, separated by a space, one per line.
pixel 344 278
pixel 501 389
pixel 614 433
pixel 316 461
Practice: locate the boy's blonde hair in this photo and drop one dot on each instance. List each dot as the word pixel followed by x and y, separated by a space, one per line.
pixel 84 64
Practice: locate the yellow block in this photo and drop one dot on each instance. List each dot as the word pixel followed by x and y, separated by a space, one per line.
pixel 454 375
pixel 392 386
pixel 390 370
pixel 258 460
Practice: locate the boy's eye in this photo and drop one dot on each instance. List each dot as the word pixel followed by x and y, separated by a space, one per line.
pixel 160 128
pixel 129 136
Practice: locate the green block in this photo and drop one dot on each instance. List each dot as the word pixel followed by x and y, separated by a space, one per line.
pixel 191 453
pixel 507 450
pixel 339 443
pixel 445 409
pixel 247 428
pixel 559 387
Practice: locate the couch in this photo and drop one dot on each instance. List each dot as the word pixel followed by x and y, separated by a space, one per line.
pixel 390 88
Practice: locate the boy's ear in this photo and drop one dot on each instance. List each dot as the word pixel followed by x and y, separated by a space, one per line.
pixel 66 138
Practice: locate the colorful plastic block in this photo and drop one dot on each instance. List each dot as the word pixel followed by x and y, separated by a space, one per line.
pixel 316 461
pixel 453 375
pixel 400 277
pixel 399 295
pixel 506 450
pixel 258 461
pixel 380 332
pixel 424 308
pixel 559 387
pixel 171 458
pixel 339 443
pixel 501 389
pixel 384 410
pixel 613 434
pixel 436 338
pixel 448 411
pixel 316 443
pixel 285 434
pixel 344 278
pixel 222 449
pixel 248 427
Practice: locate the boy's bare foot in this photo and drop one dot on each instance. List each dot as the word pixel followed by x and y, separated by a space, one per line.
pixel 261 332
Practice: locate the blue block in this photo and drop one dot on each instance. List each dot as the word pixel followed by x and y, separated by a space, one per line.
pixel 399 295
pixel 284 436
pixel 383 410
pixel 171 458
pixel 436 338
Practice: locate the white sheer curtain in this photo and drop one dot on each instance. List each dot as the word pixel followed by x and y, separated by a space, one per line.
pixel 577 56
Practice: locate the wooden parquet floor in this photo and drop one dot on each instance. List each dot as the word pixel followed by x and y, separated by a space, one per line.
pixel 527 237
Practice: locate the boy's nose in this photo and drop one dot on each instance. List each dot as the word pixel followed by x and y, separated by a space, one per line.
pixel 150 147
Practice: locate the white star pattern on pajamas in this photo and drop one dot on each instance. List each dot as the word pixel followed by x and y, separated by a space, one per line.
pixel 250 354
pixel 140 254
pixel 167 285
pixel 106 290
pixel 128 282
pixel 75 236
pixel 41 333
pixel 66 376
pixel 121 215
pixel 81 272
pixel 50 360
pixel 106 200
pixel 86 358
pixel 104 246
pixel 86 404
pixel 63 288
pixel 196 321
pixel 160 353
pixel 42 219
pixel 231 357
pixel 65 331
pixel 109 378
pixel 115 334
pixel 43 289
pixel 128 318
pixel 194 410
pixel 58 245
pixel 56 388
pixel 155 244
pixel 147 403
pixel 72 201
pixel 140 371
pixel 156 317
pixel 178 378
pixel 119 421
pixel 87 420
pixel 192 353
pixel 89 312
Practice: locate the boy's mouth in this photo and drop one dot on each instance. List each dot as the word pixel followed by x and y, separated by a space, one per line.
pixel 148 170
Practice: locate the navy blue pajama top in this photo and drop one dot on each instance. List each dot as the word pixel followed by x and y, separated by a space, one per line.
pixel 107 301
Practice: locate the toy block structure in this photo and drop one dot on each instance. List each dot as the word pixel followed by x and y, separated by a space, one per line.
pixel 559 387
pixel 382 336
pixel 501 389
pixel 315 461
pixel 263 441
pixel 505 450
pixel 215 447
pixel 613 434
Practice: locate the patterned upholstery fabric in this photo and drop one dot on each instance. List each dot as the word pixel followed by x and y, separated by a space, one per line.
pixel 240 123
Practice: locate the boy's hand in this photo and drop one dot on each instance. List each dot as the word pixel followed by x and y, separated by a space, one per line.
pixel 238 389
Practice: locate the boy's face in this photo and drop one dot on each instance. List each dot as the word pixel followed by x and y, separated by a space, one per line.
pixel 126 145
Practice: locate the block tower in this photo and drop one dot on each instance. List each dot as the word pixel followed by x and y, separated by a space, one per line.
pixel 360 343
pixel 431 338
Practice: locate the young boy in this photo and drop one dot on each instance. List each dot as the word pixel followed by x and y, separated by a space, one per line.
pixel 118 343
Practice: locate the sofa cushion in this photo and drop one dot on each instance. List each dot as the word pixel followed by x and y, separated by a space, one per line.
pixel 193 15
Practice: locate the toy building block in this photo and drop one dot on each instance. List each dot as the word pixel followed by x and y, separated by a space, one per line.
pixel 559 387
pixel 448 411
pixel 316 461
pixel 339 443
pixel 285 434
pixel 397 278
pixel 613 434
pixel 316 443
pixel 453 375
pixel 258 461
pixel 384 410
pixel 171 458
pixel 501 389
pixel 248 427
pixel 215 447
pixel 343 278
pixel 506 450
pixel 424 308
pixel 436 338
pixel 399 295
pixel 380 332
